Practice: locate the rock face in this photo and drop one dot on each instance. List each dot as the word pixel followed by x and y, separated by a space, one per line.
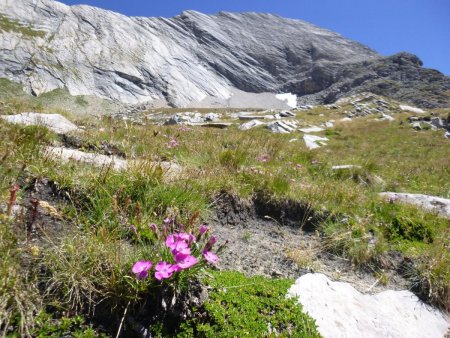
pixel 196 59
pixel 342 311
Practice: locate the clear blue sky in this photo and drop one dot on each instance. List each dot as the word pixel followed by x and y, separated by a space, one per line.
pixel 421 27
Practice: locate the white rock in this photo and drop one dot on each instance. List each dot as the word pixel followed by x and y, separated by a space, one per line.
pixel 412 109
pixel 328 124
pixel 345 166
pixel 312 129
pixel 342 311
pixel 426 202
pixel 346 119
pixel 171 170
pixel 55 122
pixel 447 134
pixel 385 117
pixel 313 142
pixel 251 124
pixel 98 160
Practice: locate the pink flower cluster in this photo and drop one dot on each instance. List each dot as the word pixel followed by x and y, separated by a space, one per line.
pixel 182 246
pixel 263 158
pixel 172 144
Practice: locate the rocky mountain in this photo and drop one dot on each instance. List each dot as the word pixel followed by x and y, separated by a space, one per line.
pixel 194 59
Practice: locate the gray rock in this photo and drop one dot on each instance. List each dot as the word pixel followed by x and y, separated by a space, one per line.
pixel 55 122
pixel 251 124
pixel 429 203
pixel 256 117
pixel 306 107
pixel 212 117
pixel 342 311
pixel 416 126
pixel 97 160
pixel 171 170
pixel 283 127
pixel 438 123
pixel 447 134
pixel 412 119
pixel 185 118
pixel 314 142
pixel 286 114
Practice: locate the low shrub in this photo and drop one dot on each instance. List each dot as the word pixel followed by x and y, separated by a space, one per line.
pixel 239 306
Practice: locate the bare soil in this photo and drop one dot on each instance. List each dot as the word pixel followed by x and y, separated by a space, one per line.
pixel 281 240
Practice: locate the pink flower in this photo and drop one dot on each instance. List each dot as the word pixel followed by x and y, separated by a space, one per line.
pixel 153 227
pixel 140 269
pixel 186 262
pixel 133 229
pixel 164 270
pixel 210 243
pixel 210 257
pixel 168 220
pixel 172 143
pixel 171 241
pixel 181 250
pixel 203 229
pixel 263 158
pixel 189 238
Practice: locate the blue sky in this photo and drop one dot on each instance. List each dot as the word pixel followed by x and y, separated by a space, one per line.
pixel 421 27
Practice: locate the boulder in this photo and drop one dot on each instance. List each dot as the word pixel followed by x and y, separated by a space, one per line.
pixel 251 124
pixel 170 169
pixel 416 126
pixel 283 127
pixel 430 203
pixel 185 118
pixel 212 117
pixel 286 113
pixel 55 122
pixel 97 160
pixel 342 311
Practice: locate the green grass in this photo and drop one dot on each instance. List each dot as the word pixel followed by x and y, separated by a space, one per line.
pixel 239 306
pixel 90 263
pixel 9 25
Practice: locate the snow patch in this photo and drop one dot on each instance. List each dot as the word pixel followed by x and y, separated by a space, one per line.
pixel 290 99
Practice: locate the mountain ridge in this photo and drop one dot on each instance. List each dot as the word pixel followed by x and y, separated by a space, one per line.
pixel 190 59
